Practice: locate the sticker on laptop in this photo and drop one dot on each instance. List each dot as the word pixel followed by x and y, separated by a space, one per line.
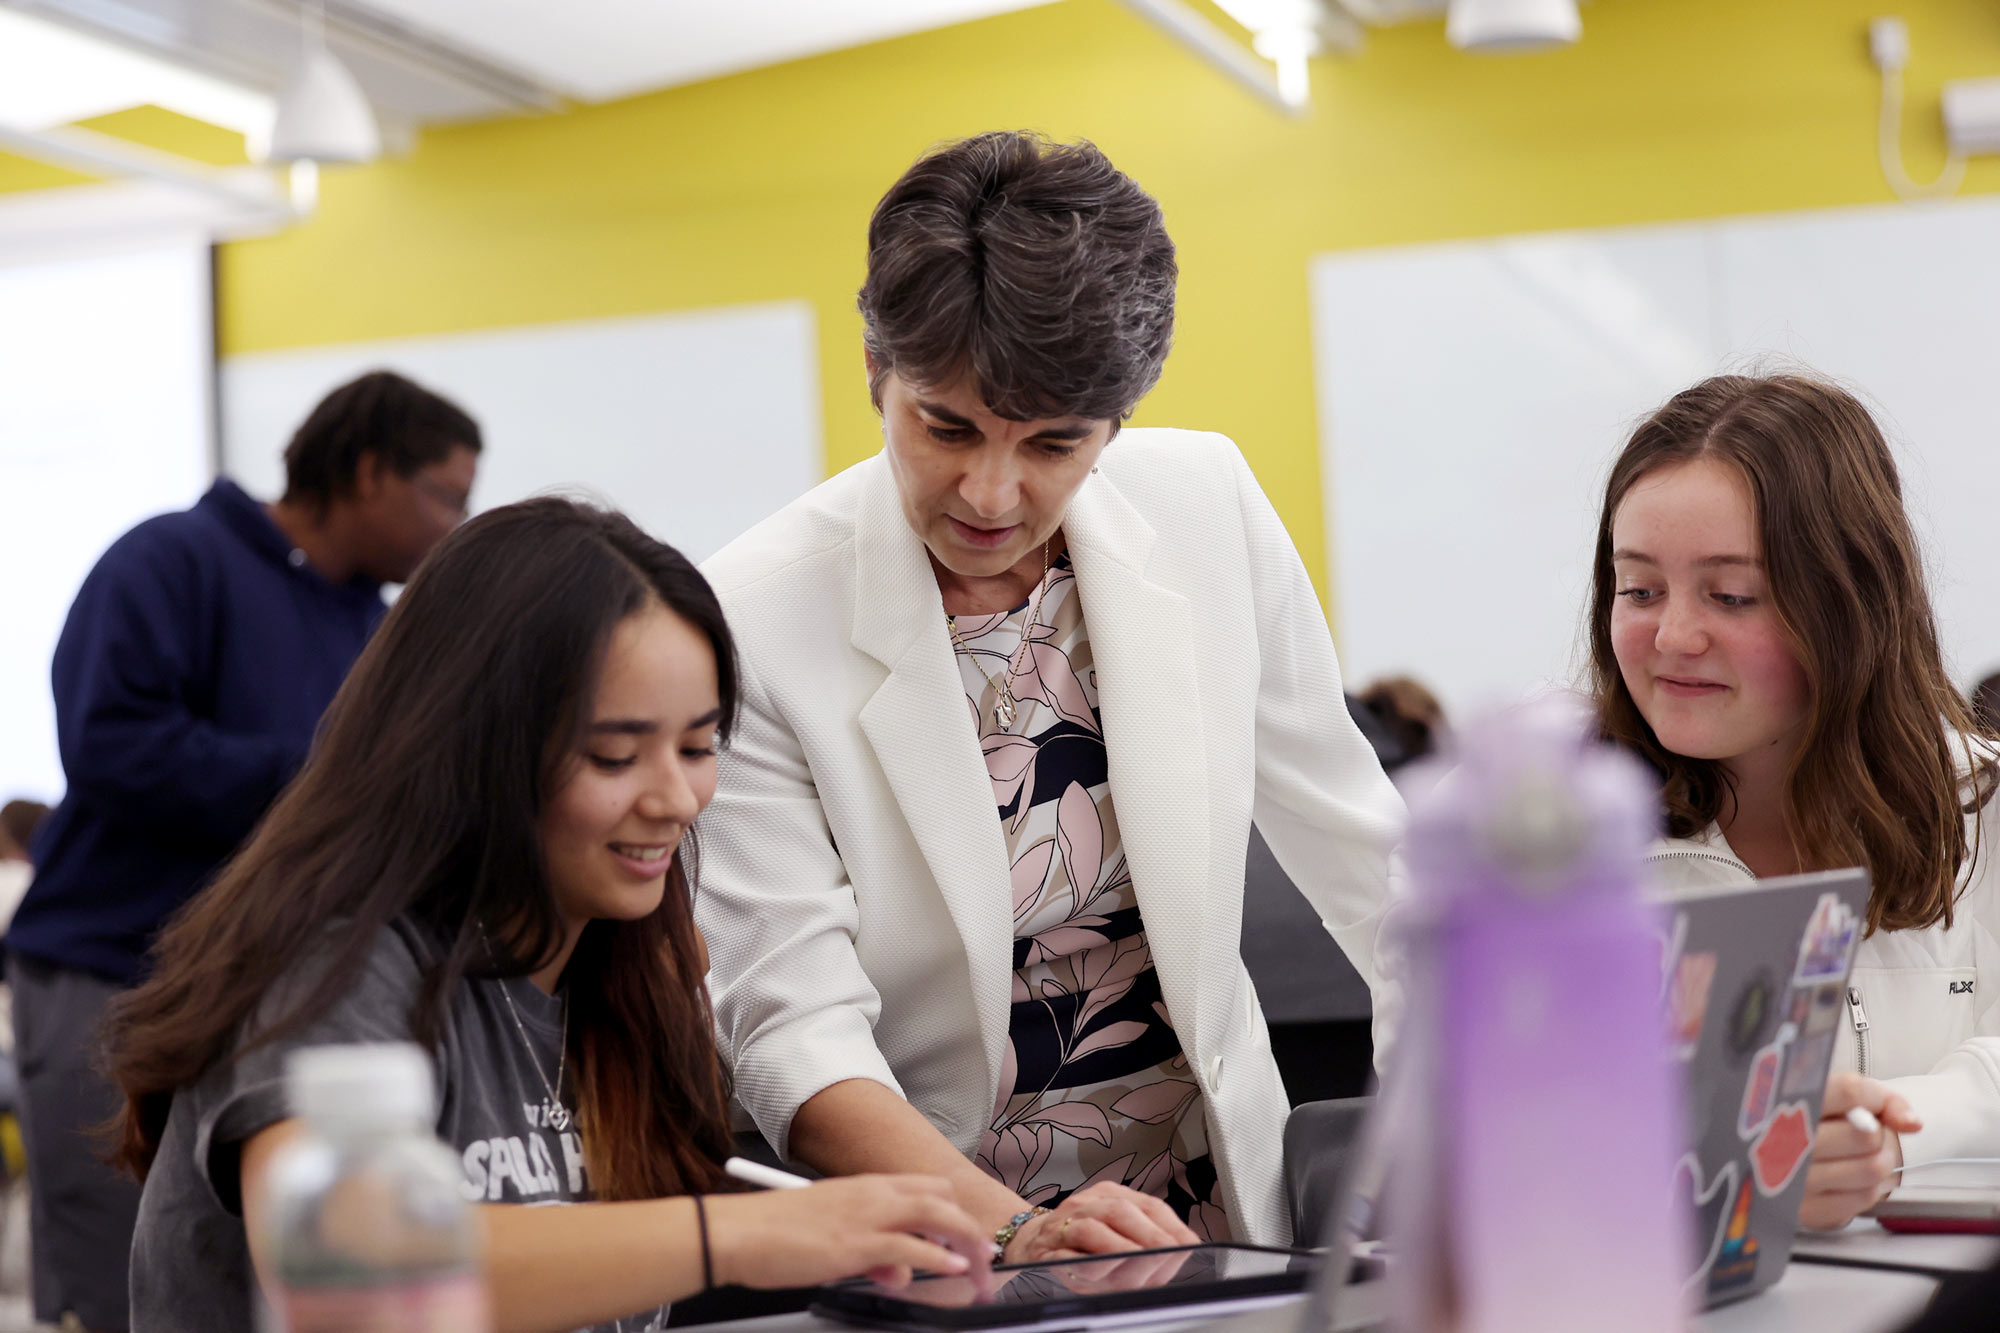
pixel 1709 1209
pixel 1828 943
pixel 1782 1149
pixel 1760 1091
pixel 1806 1062
pixel 1736 1261
pixel 1687 1001
pixel 1823 1013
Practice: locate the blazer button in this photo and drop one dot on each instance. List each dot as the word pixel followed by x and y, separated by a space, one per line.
pixel 1215 1070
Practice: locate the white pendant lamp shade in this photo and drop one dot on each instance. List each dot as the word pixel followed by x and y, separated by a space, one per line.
pixel 1512 25
pixel 322 114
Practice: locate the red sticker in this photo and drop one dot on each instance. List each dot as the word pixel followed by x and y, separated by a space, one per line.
pixel 1783 1149
pixel 1761 1091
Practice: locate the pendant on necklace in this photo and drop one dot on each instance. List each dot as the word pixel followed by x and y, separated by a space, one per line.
pixel 1003 709
pixel 556 1114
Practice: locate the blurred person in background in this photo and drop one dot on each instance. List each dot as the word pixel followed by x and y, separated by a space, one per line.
pixel 18 821
pixel 189 677
pixel 1401 718
pixel 1985 702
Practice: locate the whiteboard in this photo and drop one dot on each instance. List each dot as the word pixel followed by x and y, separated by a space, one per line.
pixel 1472 396
pixel 696 424
pixel 105 419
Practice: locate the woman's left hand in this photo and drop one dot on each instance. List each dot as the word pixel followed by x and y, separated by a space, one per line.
pixel 1104 1219
pixel 1852 1169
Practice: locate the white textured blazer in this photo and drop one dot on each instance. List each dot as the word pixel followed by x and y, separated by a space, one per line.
pixel 854 879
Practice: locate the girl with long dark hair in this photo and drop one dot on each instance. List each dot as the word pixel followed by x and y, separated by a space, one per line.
pixel 490 853
pixel 1761 635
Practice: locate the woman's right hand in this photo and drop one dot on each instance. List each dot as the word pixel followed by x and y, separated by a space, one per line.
pixel 884 1226
pixel 1104 1219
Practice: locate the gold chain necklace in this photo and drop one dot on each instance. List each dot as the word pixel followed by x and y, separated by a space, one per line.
pixel 1005 706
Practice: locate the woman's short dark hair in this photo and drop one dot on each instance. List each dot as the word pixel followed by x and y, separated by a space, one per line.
pixel 1036 267
pixel 404 424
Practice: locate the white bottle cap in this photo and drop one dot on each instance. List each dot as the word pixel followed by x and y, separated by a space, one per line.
pixel 382 1082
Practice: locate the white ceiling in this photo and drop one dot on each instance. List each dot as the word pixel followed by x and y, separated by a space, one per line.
pixel 432 61
pixel 595 50
pixel 53 75
pixel 426 61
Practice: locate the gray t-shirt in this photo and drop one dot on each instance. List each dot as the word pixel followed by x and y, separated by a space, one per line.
pixel 190 1263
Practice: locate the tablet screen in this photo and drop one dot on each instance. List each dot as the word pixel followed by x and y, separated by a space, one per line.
pixel 1070 1287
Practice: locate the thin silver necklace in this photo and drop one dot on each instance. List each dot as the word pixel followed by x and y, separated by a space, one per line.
pixel 1005 706
pixel 553 1111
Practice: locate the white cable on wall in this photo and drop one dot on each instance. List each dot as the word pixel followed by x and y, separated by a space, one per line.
pixel 1889 44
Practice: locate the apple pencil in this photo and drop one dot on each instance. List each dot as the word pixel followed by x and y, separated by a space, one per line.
pixel 765 1177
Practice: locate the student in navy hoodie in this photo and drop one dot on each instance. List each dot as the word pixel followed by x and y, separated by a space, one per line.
pixel 190 675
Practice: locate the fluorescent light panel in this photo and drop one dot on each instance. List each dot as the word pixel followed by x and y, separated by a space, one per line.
pixel 597 50
pixel 51 75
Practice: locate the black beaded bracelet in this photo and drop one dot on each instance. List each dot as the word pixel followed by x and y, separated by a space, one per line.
pixel 701 1222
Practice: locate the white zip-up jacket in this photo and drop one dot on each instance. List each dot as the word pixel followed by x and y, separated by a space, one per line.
pixel 1923 1008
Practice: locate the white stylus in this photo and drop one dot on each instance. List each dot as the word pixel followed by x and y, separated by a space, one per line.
pixel 1863 1119
pixel 770 1178
pixel 766 1177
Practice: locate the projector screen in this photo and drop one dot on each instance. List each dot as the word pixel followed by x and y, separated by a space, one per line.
pixel 106 371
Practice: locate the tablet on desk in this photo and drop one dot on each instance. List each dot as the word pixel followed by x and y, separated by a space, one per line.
pixel 1071 1292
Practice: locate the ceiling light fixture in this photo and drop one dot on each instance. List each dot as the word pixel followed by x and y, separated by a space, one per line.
pixel 1289 33
pixel 1501 26
pixel 322 114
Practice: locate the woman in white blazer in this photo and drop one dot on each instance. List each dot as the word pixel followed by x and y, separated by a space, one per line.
pixel 1013 695
pixel 1761 634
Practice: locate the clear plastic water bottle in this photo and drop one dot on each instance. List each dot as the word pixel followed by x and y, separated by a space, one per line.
pixel 365 1225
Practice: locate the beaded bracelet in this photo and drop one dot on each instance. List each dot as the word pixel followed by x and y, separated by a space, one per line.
pixel 1005 1235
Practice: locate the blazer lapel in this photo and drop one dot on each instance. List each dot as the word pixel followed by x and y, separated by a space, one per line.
pixel 921 729
pixel 1141 640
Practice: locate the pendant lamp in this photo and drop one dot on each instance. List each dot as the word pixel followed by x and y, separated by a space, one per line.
pixel 322 114
pixel 1512 25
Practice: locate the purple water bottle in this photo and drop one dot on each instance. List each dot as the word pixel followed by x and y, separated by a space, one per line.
pixel 1537 1118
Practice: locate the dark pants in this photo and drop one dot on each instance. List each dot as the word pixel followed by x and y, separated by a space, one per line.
pixel 81 1211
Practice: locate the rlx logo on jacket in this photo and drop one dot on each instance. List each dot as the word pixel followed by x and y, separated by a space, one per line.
pixel 1961 988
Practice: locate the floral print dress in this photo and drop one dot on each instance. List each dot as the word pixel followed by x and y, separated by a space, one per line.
pixel 1094 1084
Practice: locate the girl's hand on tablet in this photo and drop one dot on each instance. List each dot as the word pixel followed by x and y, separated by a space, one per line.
pixel 884 1226
pixel 1103 1219
pixel 1853 1166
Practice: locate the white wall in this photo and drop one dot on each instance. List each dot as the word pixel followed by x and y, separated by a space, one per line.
pixel 105 372
pixel 696 424
pixel 1473 395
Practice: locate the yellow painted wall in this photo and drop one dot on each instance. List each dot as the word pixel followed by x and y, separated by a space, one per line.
pixel 758 186
pixel 152 126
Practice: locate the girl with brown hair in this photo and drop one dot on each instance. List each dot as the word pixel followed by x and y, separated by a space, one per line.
pixel 1762 636
pixel 489 853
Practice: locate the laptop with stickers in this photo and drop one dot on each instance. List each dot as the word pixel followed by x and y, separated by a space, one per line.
pixel 1755 988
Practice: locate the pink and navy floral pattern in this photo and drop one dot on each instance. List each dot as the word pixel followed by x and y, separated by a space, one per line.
pixel 1094 1084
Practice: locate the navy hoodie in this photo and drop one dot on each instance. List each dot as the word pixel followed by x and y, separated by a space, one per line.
pixel 190 676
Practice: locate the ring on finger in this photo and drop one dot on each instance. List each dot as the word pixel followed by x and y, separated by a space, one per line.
pixel 1062 1233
